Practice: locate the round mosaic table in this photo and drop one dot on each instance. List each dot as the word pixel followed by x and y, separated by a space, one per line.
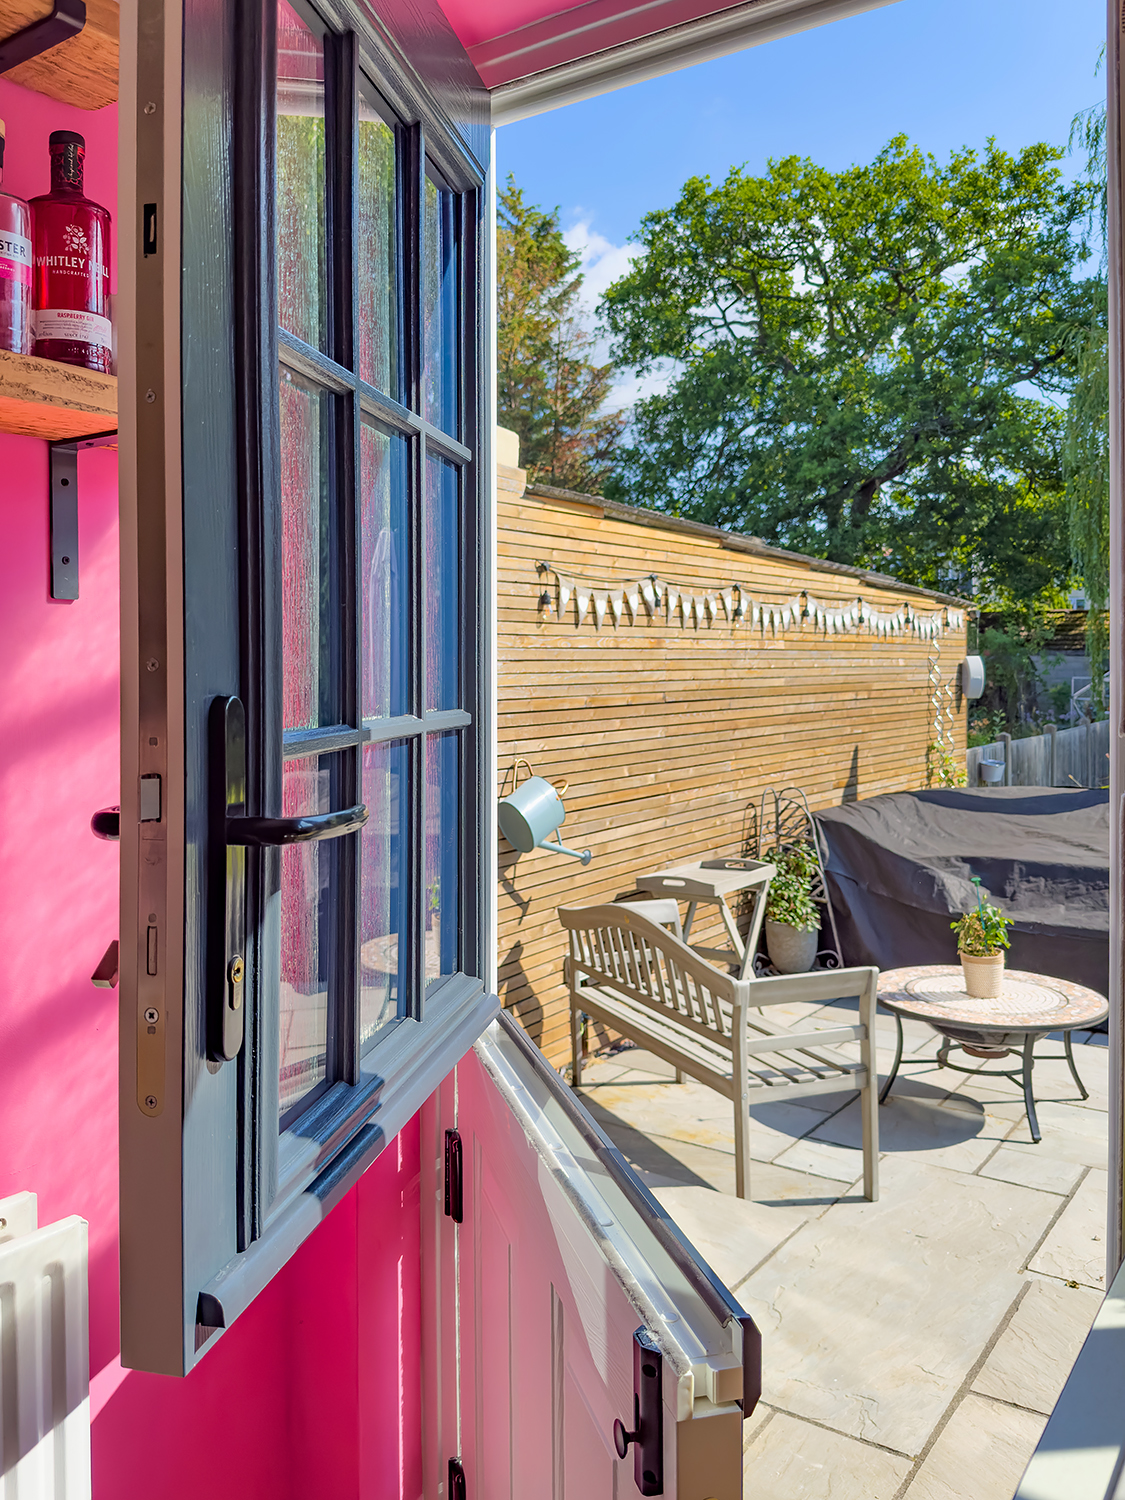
pixel 1029 1007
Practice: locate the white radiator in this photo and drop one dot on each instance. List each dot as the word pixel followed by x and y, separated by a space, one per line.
pixel 44 1356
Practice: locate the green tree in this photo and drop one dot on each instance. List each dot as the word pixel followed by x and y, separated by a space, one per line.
pixel 867 365
pixel 550 392
pixel 1085 452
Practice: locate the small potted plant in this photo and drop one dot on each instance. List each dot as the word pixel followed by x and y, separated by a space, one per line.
pixel 982 936
pixel 792 918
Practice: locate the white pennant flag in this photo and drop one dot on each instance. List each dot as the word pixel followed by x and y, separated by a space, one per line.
pixel 785 616
pixel 659 590
pixel 633 598
pixel 710 606
pixel 617 605
pixel 566 588
pixel 582 596
pixel 727 596
pixel 601 604
pixel 648 593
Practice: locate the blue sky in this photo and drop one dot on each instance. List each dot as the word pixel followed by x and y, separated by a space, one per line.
pixel 946 72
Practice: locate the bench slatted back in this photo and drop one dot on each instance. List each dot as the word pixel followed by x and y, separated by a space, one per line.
pixel 618 949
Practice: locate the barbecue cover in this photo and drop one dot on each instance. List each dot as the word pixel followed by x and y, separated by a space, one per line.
pixel 900 867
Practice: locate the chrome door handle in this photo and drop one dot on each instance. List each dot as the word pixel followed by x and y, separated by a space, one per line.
pixel 267 832
pixel 232 832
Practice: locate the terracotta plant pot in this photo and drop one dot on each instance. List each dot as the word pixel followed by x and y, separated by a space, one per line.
pixel 790 951
pixel 984 976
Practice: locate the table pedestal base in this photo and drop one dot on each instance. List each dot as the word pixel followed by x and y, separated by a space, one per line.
pixel 1022 1075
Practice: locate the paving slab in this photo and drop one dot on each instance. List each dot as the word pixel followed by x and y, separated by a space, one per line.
pixel 698 1115
pixel 787 1459
pixel 923 1128
pixel 733 1235
pixel 981 1453
pixel 1028 1169
pixel 1075 1248
pixel 874 1313
pixel 822 1159
pixel 1031 1359
pixel 1069 1134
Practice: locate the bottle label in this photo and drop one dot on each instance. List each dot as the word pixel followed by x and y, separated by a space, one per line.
pixel 15 257
pixel 73 326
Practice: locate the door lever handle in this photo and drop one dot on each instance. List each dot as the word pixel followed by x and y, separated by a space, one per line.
pixel 106 823
pixel 267 832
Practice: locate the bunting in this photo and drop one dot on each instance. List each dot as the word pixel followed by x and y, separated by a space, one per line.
pixel 737 606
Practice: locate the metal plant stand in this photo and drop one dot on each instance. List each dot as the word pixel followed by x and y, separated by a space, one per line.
pixel 783 822
pixel 1030 1007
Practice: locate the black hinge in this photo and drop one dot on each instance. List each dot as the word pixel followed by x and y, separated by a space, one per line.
pixel 457 1487
pixel 648 1416
pixel 454 1182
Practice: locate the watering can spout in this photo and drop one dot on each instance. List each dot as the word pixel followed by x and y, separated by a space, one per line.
pixel 558 847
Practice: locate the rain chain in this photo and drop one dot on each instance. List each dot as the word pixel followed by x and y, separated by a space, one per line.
pixel 646 596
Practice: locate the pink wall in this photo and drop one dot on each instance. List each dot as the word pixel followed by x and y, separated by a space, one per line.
pixel 315 1390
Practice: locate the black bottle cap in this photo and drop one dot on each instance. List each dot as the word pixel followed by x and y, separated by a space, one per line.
pixel 66 138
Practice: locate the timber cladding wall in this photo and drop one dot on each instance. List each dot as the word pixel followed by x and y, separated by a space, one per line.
pixel 668 732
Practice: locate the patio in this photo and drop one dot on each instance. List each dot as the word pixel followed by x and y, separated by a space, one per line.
pixel 915 1346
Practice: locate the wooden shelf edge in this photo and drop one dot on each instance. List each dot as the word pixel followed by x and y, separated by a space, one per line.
pixel 44 399
pixel 81 71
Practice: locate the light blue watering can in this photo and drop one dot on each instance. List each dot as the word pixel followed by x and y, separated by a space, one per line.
pixel 532 812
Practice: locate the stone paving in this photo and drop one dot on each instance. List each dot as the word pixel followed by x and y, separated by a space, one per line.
pixel 911 1347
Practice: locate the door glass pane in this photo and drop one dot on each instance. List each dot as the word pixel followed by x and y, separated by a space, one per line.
pixel 301 268
pixel 441 890
pixel 385 887
pixel 378 282
pixel 442 563
pixel 439 308
pixel 306 912
pixel 306 555
pixel 384 573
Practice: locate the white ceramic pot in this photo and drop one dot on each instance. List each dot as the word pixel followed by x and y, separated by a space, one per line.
pixel 984 976
pixel 790 951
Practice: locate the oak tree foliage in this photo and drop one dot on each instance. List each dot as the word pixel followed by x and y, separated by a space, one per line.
pixel 868 365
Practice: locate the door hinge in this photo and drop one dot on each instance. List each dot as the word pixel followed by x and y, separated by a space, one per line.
pixel 454 1180
pixel 457 1487
pixel 648 1416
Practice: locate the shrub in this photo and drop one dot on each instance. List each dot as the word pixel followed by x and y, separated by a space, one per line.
pixel 790 895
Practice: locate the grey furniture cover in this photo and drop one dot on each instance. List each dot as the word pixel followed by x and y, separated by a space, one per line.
pixel 899 870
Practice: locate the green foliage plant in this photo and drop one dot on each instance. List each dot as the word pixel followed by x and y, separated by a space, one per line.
pixel 868 365
pixel 549 390
pixel 790 899
pixel 942 767
pixel 984 932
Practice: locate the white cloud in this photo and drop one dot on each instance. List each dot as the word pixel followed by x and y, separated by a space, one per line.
pixel 602 264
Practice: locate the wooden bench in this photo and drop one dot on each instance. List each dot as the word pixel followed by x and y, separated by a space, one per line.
pixel 629 972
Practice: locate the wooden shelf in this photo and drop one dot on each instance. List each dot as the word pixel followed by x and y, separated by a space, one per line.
pixel 80 71
pixel 42 398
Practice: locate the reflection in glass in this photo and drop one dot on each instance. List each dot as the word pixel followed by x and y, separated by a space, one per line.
pixel 301 266
pixel 439 309
pixel 384 931
pixel 441 561
pixel 307 697
pixel 378 284
pixel 306 871
pixel 441 886
pixel 384 573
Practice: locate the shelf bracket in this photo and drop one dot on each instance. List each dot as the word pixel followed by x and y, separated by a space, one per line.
pixel 65 21
pixel 63 458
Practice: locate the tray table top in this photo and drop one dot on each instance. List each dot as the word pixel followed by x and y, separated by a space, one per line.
pixel 694 880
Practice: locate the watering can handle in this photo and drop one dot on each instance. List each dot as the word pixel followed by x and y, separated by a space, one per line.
pixel 560 783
